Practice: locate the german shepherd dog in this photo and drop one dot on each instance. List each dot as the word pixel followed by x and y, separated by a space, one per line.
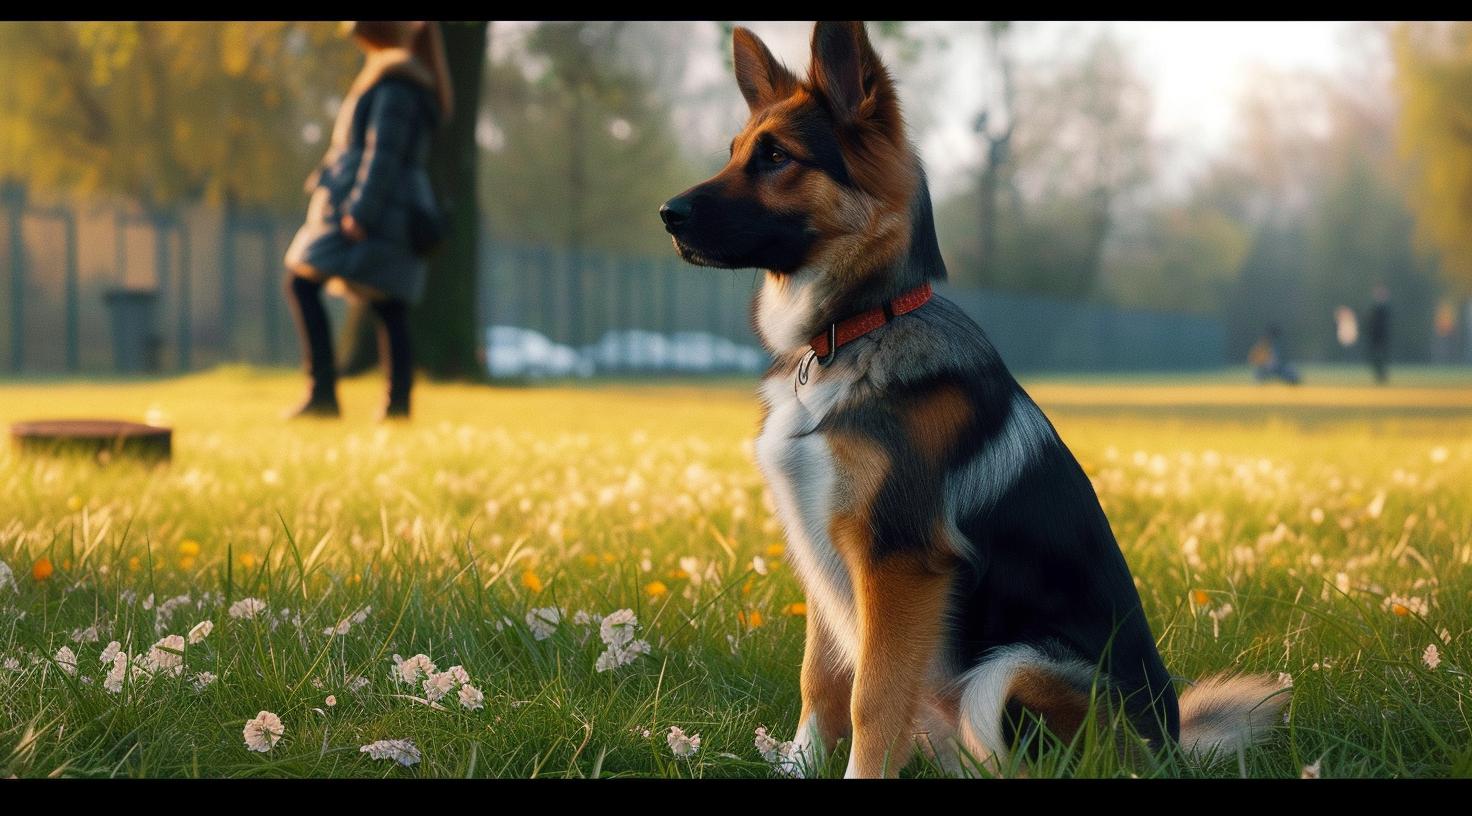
pixel 964 587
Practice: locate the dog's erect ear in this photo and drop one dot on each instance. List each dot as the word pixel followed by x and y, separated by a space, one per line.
pixel 762 79
pixel 848 72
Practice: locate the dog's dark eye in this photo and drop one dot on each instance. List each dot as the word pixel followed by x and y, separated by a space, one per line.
pixel 776 156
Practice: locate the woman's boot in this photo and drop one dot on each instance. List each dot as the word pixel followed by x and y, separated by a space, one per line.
pixel 393 348
pixel 305 297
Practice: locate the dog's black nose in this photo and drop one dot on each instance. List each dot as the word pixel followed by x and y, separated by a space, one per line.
pixel 675 212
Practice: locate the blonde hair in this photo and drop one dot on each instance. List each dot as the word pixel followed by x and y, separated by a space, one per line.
pixel 425 42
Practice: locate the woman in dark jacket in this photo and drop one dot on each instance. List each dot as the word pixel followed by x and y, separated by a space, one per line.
pixel 367 196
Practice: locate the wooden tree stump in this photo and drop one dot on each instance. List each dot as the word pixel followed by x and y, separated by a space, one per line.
pixel 102 439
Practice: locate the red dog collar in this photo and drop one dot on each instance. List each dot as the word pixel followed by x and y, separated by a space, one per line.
pixel 839 334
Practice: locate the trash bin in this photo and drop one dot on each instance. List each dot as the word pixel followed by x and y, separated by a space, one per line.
pixel 135 337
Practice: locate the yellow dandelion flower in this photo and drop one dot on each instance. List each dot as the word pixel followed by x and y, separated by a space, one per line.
pixel 186 563
pixel 1400 610
pixel 798 608
pixel 590 560
pixel 775 550
pixel 134 563
pixel 609 558
pixel 355 579
pixel 678 574
pixel 248 560
pixel 746 587
pixel 42 570
pixel 530 580
pixel 189 548
pixel 1199 597
pixel 751 619
pixel 656 588
pixel 74 503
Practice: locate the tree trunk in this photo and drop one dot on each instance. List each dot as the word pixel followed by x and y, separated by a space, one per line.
pixel 445 325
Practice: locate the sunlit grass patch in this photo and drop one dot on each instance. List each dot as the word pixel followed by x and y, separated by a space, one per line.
pixel 273 566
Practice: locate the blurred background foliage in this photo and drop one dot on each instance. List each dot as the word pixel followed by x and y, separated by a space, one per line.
pixel 1332 182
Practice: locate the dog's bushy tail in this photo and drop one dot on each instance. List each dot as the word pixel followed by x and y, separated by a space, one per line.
pixel 1225 713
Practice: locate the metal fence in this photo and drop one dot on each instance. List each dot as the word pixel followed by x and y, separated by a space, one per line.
pixel 74 272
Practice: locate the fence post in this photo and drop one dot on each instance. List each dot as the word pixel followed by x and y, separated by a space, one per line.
pixel 227 280
pixel 545 274
pixel 272 303
pixel 161 264
pixel 73 292
pixel 14 194
pixel 672 297
pixel 185 340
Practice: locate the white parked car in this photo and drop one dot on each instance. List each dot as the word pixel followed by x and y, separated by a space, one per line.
pixel 512 351
pixel 629 350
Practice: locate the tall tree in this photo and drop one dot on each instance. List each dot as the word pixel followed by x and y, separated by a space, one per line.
pixel 445 326
pixel 1434 80
pixel 168 112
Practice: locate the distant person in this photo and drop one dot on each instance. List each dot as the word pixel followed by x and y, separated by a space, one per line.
pixel 371 202
pixel 1266 358
pixel 1377 333
pixel 1346 327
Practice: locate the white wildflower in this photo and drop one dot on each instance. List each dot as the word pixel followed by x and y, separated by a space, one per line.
pixel 619 627
pixel 619 656
pixel 759 565
pixel 691 565
pixel 543 621
pixel 356 683
pixel 201 631
pixel 247 608
pixel 438 685
pixel 472 698
pixel 263 732
pixel 1312 771
pixel 67 660
pixel 409 671
pixel 460 674
pixel 116 675
pixel 7 578
pixel 1431 657
pixel 88 635
pixel 1377 505
pixel 400 751
pixel 11 664
pixel 682 746
pixel 362 614
pixel 203 679
pixel 342 628
pixel 781 755
pixel 331 700
pixel 162 656
pixel 111 651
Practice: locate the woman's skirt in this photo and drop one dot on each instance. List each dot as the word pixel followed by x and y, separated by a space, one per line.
pixel 383 262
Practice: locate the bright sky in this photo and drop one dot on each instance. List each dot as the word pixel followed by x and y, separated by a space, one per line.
pixel 1196 71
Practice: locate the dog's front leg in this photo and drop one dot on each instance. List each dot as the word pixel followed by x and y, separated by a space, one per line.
pixel 826 687
pixel 901 605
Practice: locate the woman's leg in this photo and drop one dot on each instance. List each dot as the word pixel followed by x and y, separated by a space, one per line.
pixel 393 347
pixel 305 296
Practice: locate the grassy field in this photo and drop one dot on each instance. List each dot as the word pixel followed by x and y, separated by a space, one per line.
pixel 1323 532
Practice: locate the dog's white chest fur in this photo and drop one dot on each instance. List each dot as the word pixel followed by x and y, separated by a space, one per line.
pixel 799 468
